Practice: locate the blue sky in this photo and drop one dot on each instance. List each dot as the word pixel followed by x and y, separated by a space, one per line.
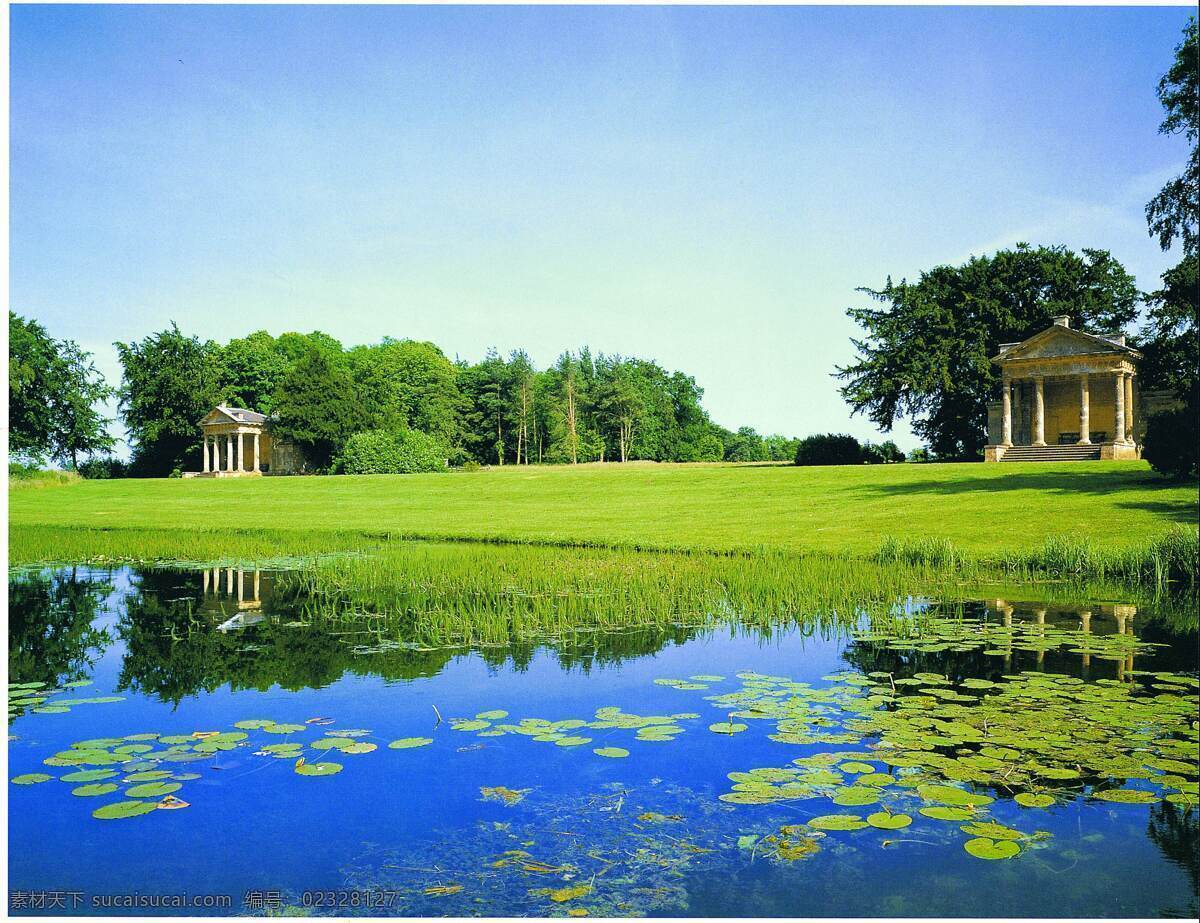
pixel 703 186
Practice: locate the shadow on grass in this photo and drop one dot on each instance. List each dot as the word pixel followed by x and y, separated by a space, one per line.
pixel 1078 481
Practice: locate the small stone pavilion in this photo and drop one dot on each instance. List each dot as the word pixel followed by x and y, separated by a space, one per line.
pixel 1066 396
pixel 236 442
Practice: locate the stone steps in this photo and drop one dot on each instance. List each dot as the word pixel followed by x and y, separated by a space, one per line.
pixel 1051 453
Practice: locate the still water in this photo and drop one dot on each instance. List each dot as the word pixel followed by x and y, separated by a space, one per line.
pixel 591 774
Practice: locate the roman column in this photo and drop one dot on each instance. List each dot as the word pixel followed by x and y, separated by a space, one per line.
pixel 1006 419
pixel 1084 411
pixel 1119 415
pixel 1129 406
pixel 229 451
pixel 204 454
pixel 1039 412
pixel 255 451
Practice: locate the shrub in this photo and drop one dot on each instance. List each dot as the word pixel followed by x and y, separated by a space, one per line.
pixel 102 469
pixel 829 449
pixel 1170 444
pixel 886 453
pixel 381 452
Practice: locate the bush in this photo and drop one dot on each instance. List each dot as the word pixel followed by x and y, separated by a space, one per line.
pixel 1171 443
pixel 829 449
pixel 886 453
pixel 102 469
pixel 381 452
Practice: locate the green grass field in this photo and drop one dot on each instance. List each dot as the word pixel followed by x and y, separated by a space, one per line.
pixel 985 511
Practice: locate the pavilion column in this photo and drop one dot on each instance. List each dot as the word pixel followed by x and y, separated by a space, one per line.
pixel 1084 411
pixel 1129 406
pixel 1006 419
pixel 229 452
pixel 255 455
pixel 204 454
pixel 1119 428
pixel 1039 412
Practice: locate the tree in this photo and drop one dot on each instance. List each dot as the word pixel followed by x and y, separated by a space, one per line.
pixel 316 407
pixel 781 448
pixel 927 353
pixel 883 453
pixel 747 446
pixel 1170 343
pixel 1172 214
pixel 169 382
pixel 77 427
pixel 829 449
pixel 408 384
pixel 617 403
pixel 249 371
pixel 53 390
pixel 32 356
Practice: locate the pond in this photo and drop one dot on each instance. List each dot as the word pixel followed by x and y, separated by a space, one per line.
pixel 187 741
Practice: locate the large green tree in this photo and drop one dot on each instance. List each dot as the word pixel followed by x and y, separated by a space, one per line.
pixel 1169 340
pixel 1172 214
pixel 169 382
pixel 316 406
pixel 54 391
pixel 249 370
pixel 927 352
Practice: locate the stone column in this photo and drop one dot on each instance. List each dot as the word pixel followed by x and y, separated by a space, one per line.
pixel 1084 411
pixel 1039 412
pixel 255 456
pixel 241 584
pixel 206 575
pixel 229 450
pixel 1129 406
pixel 1119 415
pixel 204 457
pixel 1006 419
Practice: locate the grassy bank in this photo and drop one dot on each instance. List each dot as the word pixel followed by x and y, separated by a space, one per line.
pixel 982 511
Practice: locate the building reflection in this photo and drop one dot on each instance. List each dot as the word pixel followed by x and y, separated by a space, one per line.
pixel 1098 619
pixel 234 596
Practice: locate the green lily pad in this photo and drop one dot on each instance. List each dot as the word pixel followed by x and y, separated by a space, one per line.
pixel 121 809
pixel 1033 800
pixel 983 848
pixel 572 741
pixel 96 788
pixel 838 822
pixel 407 743
pixel 991 831
pixel 1126 796
pixel 359 747
pixel 494 715
pixel 885 821
pixel 331 743
pixel 470 725
pixel 611 752
pixel 726 727
pixel 149 775
pixel 31 778
pixel 284 729
pixel 153 789
pixel 318 769
pixel 88 775
pixel 254 724
pixel 939 812
pixel 949 795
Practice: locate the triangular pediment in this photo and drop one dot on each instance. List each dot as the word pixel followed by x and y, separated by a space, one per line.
pixel 1057 341
pixel 217 415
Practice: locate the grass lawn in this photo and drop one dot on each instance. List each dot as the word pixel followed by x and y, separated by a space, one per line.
pixel 982 509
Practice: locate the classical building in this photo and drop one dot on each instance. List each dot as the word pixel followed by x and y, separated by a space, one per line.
pixel 1067 395
pixel 236 442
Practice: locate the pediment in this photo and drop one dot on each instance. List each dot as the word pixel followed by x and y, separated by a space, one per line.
pixel 1057 342
pixel 217 415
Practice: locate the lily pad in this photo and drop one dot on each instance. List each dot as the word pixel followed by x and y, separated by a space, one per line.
pixel 407 743
pixel 121 809
pixel 611 752
pixel 838 822
pixel 318 769
pixel 96 788
pixel 153 789
pixel 1126 796
pixel 982 848
pixel 1033 800
pixel 31 778
pixel 885 821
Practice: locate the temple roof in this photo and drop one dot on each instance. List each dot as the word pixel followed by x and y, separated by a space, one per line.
pixel 233 414
pixel 1060 340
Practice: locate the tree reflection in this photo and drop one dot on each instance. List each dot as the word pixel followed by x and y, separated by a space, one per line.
pixel 1175 830
pixel 52 637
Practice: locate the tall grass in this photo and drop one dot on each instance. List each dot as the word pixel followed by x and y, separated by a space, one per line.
pixel 1171 562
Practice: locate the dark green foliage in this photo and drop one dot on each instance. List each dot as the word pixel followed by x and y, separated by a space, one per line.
pixel 405 383
pixel 746 445
pixel 927 354
pixel 316 406
pixel 103 468
pixel 53 390
pixel 170 381
pixel 884 453
pixel 405 452
pixel 249 371
pixel 829 449
pixel 781 448
pixel 1172 443
pixel 1172 214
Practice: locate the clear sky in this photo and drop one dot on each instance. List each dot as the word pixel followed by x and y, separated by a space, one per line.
pixel 702 186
